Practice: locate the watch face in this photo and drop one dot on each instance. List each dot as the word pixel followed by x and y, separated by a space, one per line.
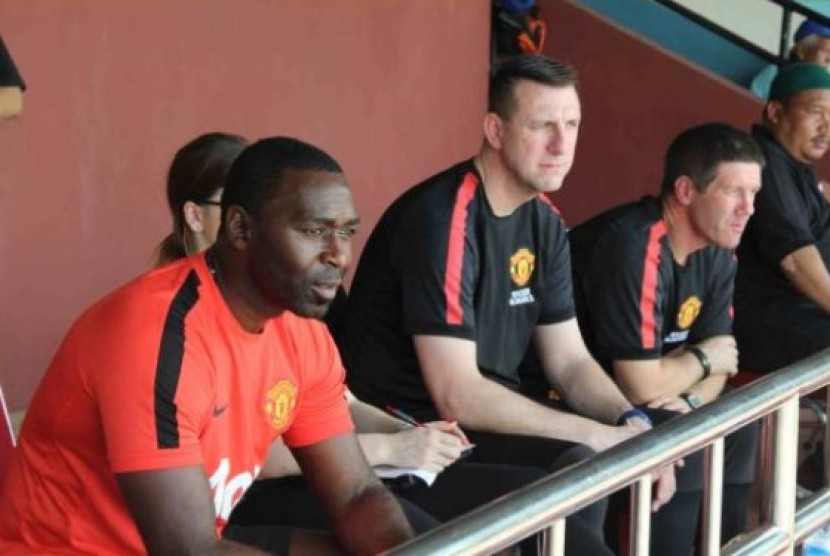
pixel 693 400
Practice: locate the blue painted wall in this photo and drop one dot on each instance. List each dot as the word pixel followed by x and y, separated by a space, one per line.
pixel 678 35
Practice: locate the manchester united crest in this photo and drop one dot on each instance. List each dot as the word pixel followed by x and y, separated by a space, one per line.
pixel 279 403
pixel 688 312
pixel 521 266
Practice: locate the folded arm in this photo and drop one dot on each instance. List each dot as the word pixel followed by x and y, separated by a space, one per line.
pixel 806 270
pixel 678 372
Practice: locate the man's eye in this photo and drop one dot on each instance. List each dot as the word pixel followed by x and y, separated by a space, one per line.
pixel 313 232
pixel 347 232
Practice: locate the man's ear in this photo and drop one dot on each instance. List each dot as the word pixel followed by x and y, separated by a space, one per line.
pixel 773 111
pixel 801 52
pixel 237 226
pixel 493 130
pixel 684 190
pixel 193 217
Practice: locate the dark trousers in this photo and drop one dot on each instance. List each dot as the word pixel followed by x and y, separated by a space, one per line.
pixel 288 501
pixel 674 529
pixel 584 529
pixel 458 489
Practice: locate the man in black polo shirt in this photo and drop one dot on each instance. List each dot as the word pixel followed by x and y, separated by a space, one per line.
pixel 465 270
pixel 782 290
pixel 653 283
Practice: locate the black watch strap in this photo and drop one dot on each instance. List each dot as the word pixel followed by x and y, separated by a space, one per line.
pixel 702 358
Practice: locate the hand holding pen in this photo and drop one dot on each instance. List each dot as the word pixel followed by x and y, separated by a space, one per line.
pixel 450 427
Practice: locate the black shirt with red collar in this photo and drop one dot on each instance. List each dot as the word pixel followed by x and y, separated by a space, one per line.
pixel 634 301
pixel 440 262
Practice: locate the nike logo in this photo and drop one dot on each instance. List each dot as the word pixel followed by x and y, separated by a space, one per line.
pixel 217 411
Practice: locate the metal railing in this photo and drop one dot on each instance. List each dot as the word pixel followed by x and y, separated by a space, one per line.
pixel 546 503
pixel 788 7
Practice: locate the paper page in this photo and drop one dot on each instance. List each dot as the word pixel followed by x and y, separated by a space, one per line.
pixel 390 472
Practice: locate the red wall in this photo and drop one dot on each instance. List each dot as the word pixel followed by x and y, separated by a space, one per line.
pixel 635 99
pixel 393 89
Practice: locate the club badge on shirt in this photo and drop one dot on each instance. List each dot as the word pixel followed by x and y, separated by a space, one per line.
pixel 279 403
pixel 522 263
pixel 689 311
pixel 521 266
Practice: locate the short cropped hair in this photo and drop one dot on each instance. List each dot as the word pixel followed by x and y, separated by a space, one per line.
pixel 256 175
pixel 698 151
pixel 531 67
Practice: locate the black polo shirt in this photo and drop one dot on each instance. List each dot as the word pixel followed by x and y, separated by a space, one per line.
pixel 634 301
pixel 440 262
pixel 790 213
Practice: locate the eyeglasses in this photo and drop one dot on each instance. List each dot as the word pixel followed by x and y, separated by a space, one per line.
pixel 211 203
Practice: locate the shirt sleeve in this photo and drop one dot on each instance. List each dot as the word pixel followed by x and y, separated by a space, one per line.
pixel 153 403
pixel 435 260
pixel 716 312
pixel 9 76
pixel 558 297
pixel 781 220
pixel 624 293
pixel 322 411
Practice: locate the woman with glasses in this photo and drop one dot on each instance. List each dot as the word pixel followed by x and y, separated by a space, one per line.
pixel 194 189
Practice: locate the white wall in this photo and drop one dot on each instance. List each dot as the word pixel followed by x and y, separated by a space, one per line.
pixel 756 20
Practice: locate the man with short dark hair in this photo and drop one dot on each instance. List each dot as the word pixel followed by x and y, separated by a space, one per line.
pixel 466 270
pixel 160 406
pixel 782 289
pixel 654 282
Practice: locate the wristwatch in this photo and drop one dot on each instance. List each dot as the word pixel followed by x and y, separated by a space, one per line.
pixel 693 400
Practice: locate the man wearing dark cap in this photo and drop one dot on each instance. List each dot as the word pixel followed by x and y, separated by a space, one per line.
pixel 812 44
pixel 782 290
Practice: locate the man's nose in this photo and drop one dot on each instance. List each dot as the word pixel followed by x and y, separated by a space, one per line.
pixel 556 141
pixel 747 204
pixel 338 250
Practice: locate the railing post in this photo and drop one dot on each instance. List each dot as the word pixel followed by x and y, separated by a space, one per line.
pixel 784 43
pixel 827 437
pixel 712 496
pixel 553 539
pixel 786 457
pixel 766 449
pixel 640 527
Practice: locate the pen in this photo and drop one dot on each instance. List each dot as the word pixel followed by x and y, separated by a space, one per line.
pixel 410 420
pixel 403 416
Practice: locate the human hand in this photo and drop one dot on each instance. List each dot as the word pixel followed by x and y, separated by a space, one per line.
pixel 722 352
pixel 426 447
pixel 664 486
pixel 605 436
pixel 450 427
pixel 672 403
